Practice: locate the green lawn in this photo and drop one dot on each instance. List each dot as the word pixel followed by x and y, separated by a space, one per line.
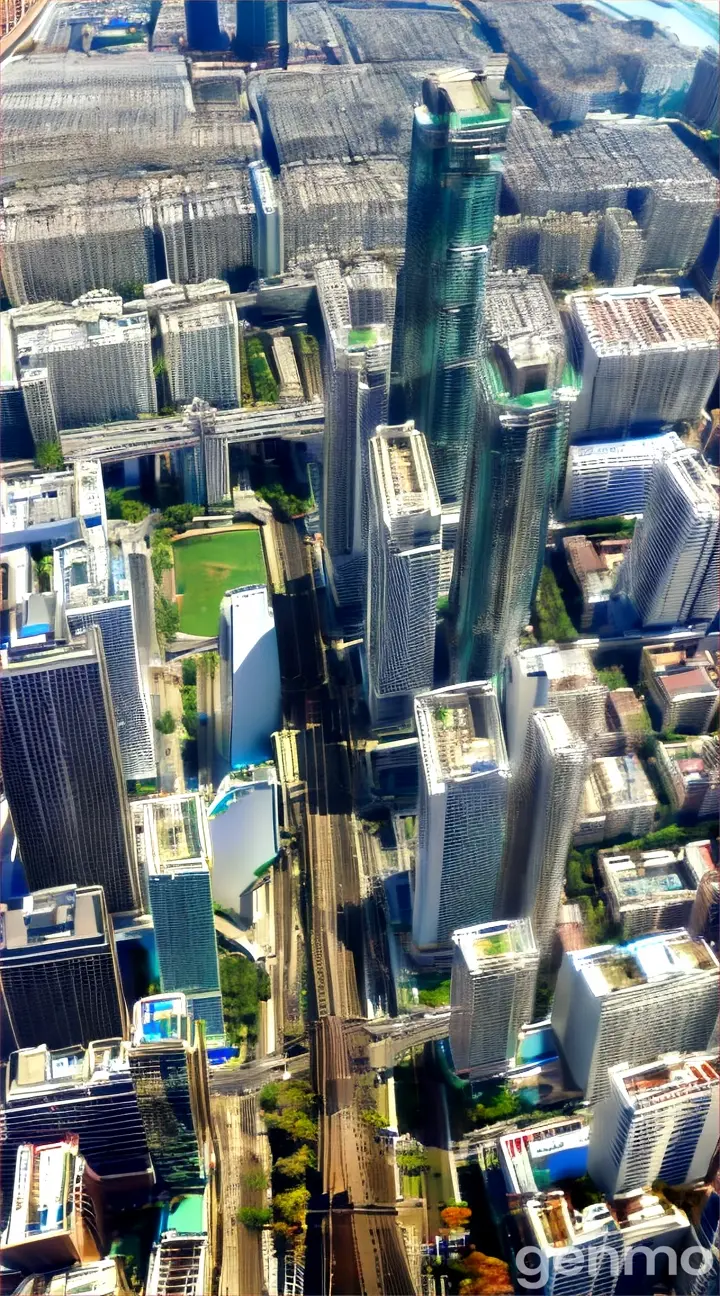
pixel 208 565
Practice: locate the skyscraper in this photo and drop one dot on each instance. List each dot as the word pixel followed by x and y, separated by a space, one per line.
pixel 249 676
pixel 545 797
pixel 462 810
pixel 59 970
pixel 609 477
pixel 515 461
pixel 55 1210
pixel 459 134
pixel 493 991
pixel 404 552
pixel 173 847
pixel 658 1121
pixel 633 1002
pixel 262 31
pixel 168 1064
pixel 671 570
pixel 357 380
pixel 201 348
pixel 62 770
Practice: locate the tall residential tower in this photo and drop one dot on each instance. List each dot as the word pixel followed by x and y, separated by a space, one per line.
pixel 493 991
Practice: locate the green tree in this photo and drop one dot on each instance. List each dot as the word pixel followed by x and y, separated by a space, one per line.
pixel 264 386
pixel 189 670
pixel 239 981
pixel 44 570
pixel 130 289
pixel 502 1106
pixel 435 996
pixel 297 1164
pixel 268 1097
pixel 178 516
pixel 188 693
pixel 284 505
pixel 552 623
pixel 167 618
pixel 297 1124
pixel 132 510
pixel 255 1217
pixel 292 1205
pixel 49 455
pixel 613 677
pixel 254 1179
pixel 161 553
pixel 413 1159
pixel 166 723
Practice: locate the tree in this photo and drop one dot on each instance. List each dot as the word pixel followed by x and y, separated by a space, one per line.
pixel 255 1217
pixel 284 505
pixel 44 569
pixel 161 554
pixel 613 677
pixel 189 670
pixel 268 1097
pixel 188 693
pixel 372 1116
pixel 436 996
pixel 412 1159
pixel 166 723
pixel 132 510
pixel 456 1215
pixel 264 386
pixel 552 623
pixel 486 1275
pixel 49 455
pixel 297 1164
pixel 239 984
pixel 298 1125
pixel 167 618
pixel 254 1179
pixel 178 516
pixel 501 1107
pixel 292 1205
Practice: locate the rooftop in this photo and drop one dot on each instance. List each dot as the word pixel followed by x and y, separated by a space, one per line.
pixel 617 781
pixel 160 1018
pixel 484 943
pixel 404 471
pixel 460 732
pixel 171 833
pixel 647 877
pixel 667 1078
pixel 52 917
pixel 617 321
pixel 38 1071
pixel 99 1279
pixel 610 968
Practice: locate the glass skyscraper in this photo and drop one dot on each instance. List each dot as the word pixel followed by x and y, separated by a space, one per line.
pixel 456 164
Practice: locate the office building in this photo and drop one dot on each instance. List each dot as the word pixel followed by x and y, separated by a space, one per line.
pixel 544 799
pixel 650 356
pixel 456 163
pixel 651 890
pixel 683 690
pixel 202 25
pixel 55 1215
pixel 536 1158
pixel 244 831
pixel 168 1065
pixel 633 1002
pixel 594 565
pixel 617 800
pixel 493 991
pixel 705 1279
pixel 607 478
pixel 705 916
pixel 62 770
pixel 47 508
pixel 404 556
pixel 249 676
pixel 93 586
pixel 97 1278
pixel 173 849
pixel 270 235
pixel 671 574
pixel 515 461
pixel 562 678
pixel 59 969
pixel 690 774
pixel 573 1253
pixel 98 361
pixel 462 810
pixel 39 407
pixel 200 344
pixel 357 377
pixel 261 32
pixel 657 1121
pixel 86 1090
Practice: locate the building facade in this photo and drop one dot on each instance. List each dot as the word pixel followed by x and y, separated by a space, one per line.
pixel 492 994
pixel 201 349
pixel 249 676
pixel 607 478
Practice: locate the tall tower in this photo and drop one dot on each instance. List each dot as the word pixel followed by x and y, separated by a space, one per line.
pixel 262 31
pixel 515 461
pixel 201 348
pixel 249 676
pixel 545 798
pixel 464 778
pixel 357 382
pixel 63 772
pixel 658 1121
pixel 671 570
pixel 59 970
pixel 404 552
pixel 168 1064
pixel 456 163
pixel 493 991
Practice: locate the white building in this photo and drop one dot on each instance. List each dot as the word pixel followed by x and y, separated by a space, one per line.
pixel 650 356
pixel 562 678
pixel 632 1003
pixel 404 557
pixel 617 799
pixel 612 477
pixel 249 676
pixel 544 800
pixel 671 571
pixel 48 507
pixel 650 890
pixel 493 991
pixel 201 347
pixel 464 778
pixel 574 1253
pixel 658 1121
pixel 244 831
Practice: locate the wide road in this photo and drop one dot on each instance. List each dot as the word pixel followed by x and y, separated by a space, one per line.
pixel 233 1079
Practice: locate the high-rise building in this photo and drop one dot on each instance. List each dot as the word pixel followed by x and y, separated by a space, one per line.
pixel 493 991
pixel 571 1254
pixel 682 689
pixel 462 810
pixel 261 32
pixel 201 347
pixel 179 1261
pixel 404 556
pixel 270 240
pixel 515 461
pixel 39 407
pixel 96 1278
pixel 456 163
pixel 98 361
pixel 55 1213
pixel 249 676
pixel 633 1002
pixel 202 25
pixel 544 799
pixel 357 378
pixel 658 1121
pixel 88 1091
pixel 562 678
pixel 62 770
pixel 173 848
pixel 94 589
pixel 610 477
pixel 651 890
pixel 671 572
pixel 59 969
pixel 168 1064
pixel 650 356
pixel 244 831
